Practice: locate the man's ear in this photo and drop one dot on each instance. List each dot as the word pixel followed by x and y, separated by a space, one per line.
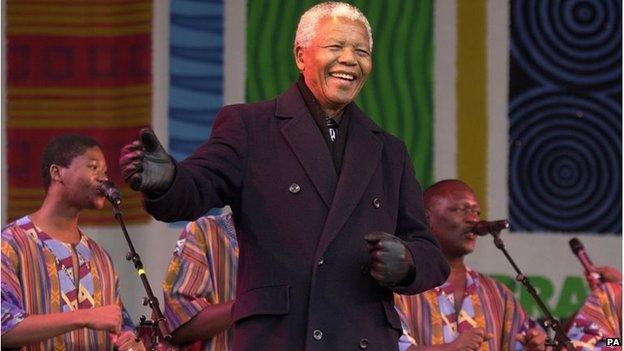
pixel 56 173
pixel 299 58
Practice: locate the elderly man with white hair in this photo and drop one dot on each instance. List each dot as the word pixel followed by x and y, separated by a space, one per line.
pixel 329 216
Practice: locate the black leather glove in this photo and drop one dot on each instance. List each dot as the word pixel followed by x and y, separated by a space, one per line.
pixel 145 164
pixel 391 261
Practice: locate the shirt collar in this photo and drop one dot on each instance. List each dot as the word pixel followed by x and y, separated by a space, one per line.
pixel 313 105
pixel 472 281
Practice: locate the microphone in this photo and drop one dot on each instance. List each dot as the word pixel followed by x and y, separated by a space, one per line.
pixel 108 189
pixel 490 227
pixel 593 277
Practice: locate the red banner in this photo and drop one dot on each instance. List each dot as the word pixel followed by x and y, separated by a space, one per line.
pixel 79 67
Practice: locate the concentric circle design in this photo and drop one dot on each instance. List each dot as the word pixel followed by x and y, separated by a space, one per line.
pixel 565 171
pixel 573 42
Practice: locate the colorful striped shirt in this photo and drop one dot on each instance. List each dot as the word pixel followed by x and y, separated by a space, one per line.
pixel 202 272
pixel 429 318
pixel 37 278
pixel 599 318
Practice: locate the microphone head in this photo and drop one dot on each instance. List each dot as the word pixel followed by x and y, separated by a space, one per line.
pixel 576 246
pixel 108 189
pixel 490 227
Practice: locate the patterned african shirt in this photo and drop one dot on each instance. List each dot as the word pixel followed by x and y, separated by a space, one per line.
pixel 598 318
pixel 38 278
pixel 430 318
pixel 202 272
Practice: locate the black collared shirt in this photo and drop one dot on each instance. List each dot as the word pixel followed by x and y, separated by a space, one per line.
pixel 337 147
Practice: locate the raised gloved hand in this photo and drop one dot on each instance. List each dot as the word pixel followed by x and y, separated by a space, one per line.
pixel 391 261
pixel 145 164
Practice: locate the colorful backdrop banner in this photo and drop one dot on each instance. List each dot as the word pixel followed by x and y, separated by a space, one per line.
pixel 565 116
pixel 195 72
pixel 79 67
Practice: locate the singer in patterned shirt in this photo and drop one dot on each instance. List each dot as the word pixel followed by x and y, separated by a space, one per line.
pixel 600 317
pixel 59 288
pixel 201 283
pixel 470 311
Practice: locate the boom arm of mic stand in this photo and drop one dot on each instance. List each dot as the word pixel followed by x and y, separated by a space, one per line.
pixel 152 301
pixel 561 337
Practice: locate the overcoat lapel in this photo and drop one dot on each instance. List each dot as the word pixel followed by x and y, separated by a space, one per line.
pixel 361 158
pixel 305 140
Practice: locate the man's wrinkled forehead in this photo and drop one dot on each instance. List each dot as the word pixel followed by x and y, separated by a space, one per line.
pixel 450 193
pixel 335 20
pixel 462 196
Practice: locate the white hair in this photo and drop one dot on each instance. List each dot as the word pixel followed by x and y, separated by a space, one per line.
pixel 310 19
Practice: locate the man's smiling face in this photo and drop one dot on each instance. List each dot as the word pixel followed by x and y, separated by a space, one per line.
pixel 336 62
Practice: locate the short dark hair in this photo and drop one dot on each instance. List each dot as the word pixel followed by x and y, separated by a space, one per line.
pixel 61 150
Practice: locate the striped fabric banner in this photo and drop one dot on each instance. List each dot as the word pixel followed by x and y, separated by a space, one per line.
pixel 399 91
pixel 79 67
pixel 195 73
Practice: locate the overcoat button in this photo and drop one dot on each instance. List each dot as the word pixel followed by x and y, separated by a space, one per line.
pixel 294 188
pixel 318 335
pixel 320 261
pixel 365 269
pixel 376 203
pixel 364 344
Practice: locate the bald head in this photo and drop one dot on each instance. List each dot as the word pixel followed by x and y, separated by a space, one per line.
pixel 443 189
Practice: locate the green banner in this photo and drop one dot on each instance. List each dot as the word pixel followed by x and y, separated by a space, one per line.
pixel 571 296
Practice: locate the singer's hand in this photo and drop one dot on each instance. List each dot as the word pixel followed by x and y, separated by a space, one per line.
pixel 533 340
pixel 145 164
pixel 391 261
pixel 609 274
pixel 470 340
pixel 102 318
pixel 127 341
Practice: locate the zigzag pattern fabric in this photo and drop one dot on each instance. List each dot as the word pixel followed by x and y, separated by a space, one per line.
pixel 598 318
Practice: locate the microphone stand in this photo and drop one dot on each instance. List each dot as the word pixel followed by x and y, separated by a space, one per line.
pixel 160 323
pixel 551 322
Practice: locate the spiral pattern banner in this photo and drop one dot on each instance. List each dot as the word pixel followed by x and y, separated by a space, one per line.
pixel 571 43
pixel 565 152
pixel 565 116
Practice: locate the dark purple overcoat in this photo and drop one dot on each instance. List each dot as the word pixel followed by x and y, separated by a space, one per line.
pixel 303 278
